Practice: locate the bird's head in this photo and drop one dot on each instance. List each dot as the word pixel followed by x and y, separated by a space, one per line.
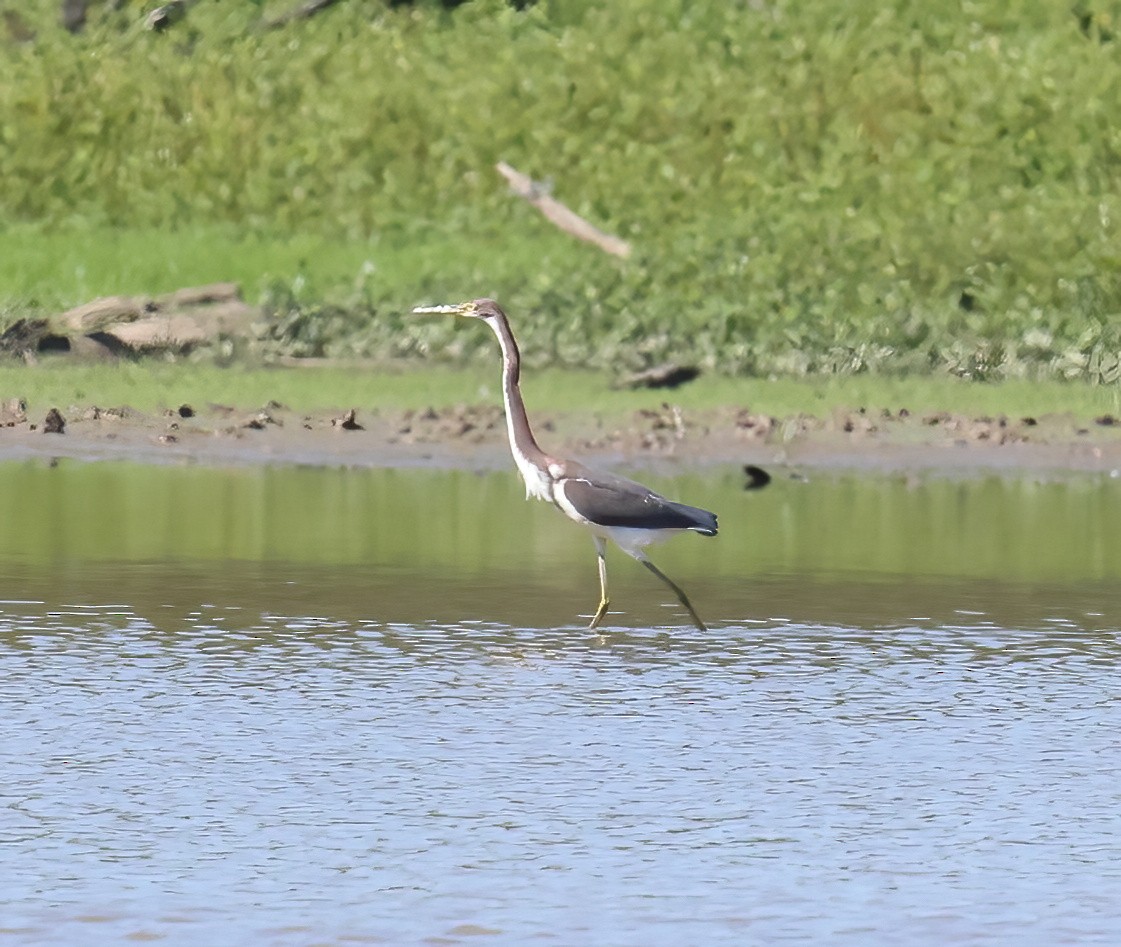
pixel 486 309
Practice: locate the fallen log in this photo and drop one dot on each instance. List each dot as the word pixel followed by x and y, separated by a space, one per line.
pixel 116 325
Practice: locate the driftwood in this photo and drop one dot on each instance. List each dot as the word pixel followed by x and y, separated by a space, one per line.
pixel 95 316
pixel 121 324
pixel 559 215
pixel 186 317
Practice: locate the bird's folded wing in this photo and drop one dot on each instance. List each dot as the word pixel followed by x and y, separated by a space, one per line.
pixel 614 501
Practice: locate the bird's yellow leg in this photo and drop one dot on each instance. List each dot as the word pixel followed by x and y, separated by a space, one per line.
pixel 601 555
pixel 681 596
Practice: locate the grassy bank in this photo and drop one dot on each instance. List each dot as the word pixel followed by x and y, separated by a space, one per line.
pixel 809 188
pixel 154 387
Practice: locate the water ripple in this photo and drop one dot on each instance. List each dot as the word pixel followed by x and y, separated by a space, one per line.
pixel 252 776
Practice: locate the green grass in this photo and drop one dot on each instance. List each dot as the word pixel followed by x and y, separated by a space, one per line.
pixel 824 187
pixel 55 270
pixel 154 386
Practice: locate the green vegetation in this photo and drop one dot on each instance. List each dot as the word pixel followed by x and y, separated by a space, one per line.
pixel 154 386
pixel 809 187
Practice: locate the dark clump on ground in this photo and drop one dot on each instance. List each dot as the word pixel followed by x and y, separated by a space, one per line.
pixel 54 423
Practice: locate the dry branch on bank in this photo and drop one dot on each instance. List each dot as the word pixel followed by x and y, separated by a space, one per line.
pixel 559 215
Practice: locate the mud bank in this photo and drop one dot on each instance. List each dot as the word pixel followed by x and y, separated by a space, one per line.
pixel 473 437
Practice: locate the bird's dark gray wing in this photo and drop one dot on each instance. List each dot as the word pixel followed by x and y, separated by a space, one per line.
pixel 608 500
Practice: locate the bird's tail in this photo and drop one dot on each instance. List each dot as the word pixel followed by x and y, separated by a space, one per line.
pixel 700 520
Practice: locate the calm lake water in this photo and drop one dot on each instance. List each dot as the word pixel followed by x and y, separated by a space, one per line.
pixel 284 706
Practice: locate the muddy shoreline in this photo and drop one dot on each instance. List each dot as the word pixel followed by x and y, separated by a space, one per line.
pixel 473 437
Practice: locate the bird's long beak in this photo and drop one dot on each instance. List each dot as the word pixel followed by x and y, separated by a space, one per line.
pixel 460 309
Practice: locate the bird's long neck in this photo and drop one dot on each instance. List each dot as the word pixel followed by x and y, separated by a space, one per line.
pixel 531 460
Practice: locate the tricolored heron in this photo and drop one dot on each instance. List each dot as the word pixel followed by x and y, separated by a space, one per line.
pixel 611 507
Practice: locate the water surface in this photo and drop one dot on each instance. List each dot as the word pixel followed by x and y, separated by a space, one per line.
pixel 278 708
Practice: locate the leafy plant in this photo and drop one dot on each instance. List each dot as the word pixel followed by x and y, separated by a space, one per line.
pixel 809 187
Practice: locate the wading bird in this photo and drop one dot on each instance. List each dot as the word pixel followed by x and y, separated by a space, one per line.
pixel 611 507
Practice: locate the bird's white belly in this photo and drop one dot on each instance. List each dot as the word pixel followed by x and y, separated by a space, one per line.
pixel 631 539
